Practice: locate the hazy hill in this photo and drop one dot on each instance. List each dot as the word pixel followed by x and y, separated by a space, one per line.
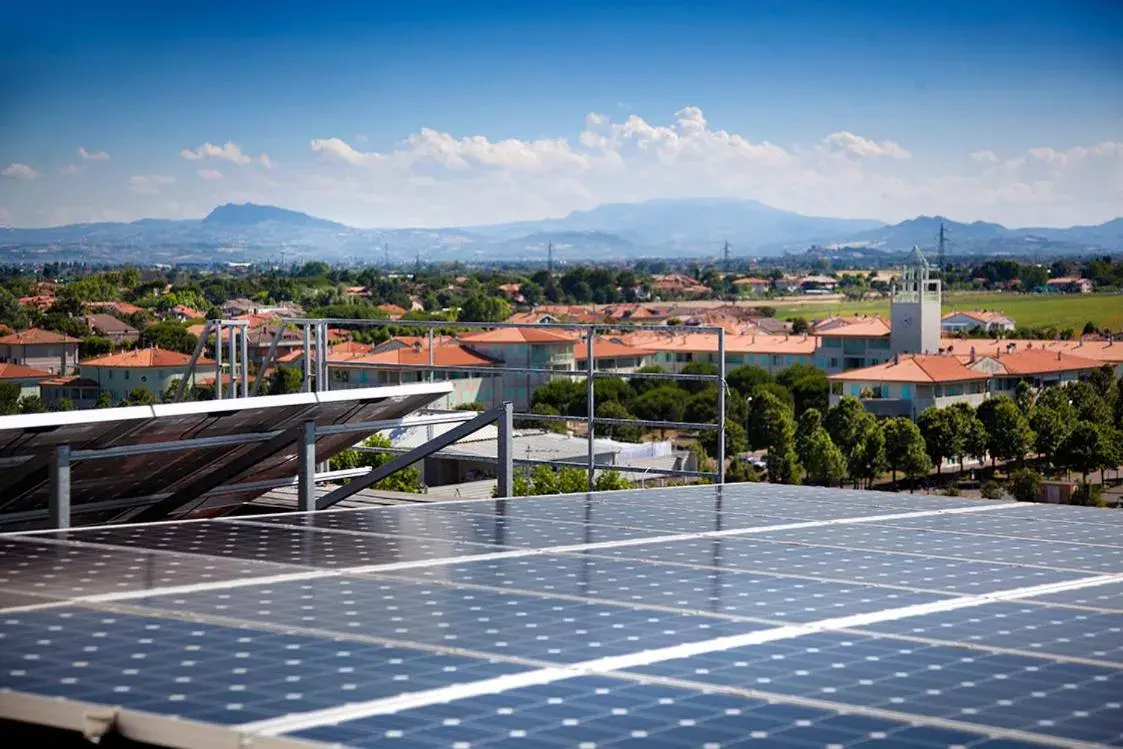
pixel 251 214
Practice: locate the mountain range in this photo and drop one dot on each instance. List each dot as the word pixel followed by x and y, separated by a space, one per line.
pixel 657 228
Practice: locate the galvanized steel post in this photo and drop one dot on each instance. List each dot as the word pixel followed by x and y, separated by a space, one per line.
pixel 218 360
pixel 233 361
pixel 307 357
pixel 506 468
pixel 306 488
pixel 590 332
pixel 245 354
pixel 60 488
pixel 721 406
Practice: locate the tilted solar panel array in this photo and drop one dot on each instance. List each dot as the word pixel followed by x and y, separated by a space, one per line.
pixel 707 616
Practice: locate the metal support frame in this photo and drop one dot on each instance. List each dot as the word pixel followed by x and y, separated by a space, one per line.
pixel 506 468
pixel 721 406
pixel 306 447
pixel 218 361
pixel 233 345
pixel 416 454
pixel 269 359
pixel 307 331
pixel 189 373
pixel 60 488
pixel 244 350
pixel 590 406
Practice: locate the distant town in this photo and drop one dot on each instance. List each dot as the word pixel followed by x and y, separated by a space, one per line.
pixel 997 377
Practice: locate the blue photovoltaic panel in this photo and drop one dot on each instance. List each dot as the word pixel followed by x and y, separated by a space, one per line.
pixel 708 617
pixel 609 712
pixel 208 672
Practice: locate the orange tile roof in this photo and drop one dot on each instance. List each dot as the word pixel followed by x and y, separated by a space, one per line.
pixel 121 308
pixel 924 368
pixel 145 357
pixel 392 310
pixel 982 315
pixel 20 372
pixel 734 344
pixel 530 317
pixel 71 381
pixel 36 335
pixel 518 335
pixel 864 327
pixel 443 356
pixel 1104 352
pixel 608 348
pixel 189 312
pixel 1040 361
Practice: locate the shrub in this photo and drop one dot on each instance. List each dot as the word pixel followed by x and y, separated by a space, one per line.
pixel 1025 485
pixel 991 490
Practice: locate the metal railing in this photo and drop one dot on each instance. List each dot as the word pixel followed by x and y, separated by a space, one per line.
pixel 316 364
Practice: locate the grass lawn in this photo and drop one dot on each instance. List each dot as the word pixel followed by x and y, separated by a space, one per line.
pixel 1062 310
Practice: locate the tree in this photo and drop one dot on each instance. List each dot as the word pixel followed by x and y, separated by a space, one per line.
pixel 1085 449
pixel 800 325
pixel 622 432
pixel 809 422
pixel 284 380
pixel 745 378
pixel 823 461
pixel 9 398
pixel 664 403
pixel 735 440
pixel 1025 485
pixel 1009 436
pixel 905 448
pixel 773 423
pixel 480 308
pixel 1025 397
pixel 740 472
pixel 991 490
pixel 1088 403
pixel 543 409
pixel 697 368
pixel 32 404
pixel 104 400
pixel 776 390
pixel 170 335
pixel 1051 423
pixel 970 434
pixel 611 481
pixel 641 385
pixel 471 406
pixel 940 433
pixel 406 480
pixel 561 395
pixel 844 420
pixel 140 397
pixel 866 459
pixel 93 345
pixel 808 385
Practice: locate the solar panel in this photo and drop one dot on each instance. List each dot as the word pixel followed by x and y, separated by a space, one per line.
pixel 704 616
pixel 103 489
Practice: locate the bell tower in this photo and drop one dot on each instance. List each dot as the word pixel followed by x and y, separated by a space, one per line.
pixel 915 308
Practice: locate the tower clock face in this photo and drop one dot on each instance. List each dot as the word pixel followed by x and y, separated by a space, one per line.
pixel 907 321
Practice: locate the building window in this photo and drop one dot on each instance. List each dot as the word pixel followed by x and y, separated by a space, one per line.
pixel 340 375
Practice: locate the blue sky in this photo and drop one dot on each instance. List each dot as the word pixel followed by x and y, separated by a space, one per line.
pixel 455 113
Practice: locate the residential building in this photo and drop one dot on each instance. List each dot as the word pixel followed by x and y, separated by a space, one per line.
pixel 773 353
pixel 153 369
pixel 676 284
pixel 1039 367
pixel 108 326
pixel 533 318
pixel 393 311
pixel 114 308
pixel 754 285
pixel 1069 285
pixel 910 383
pixel 81 392
pixel 531 348
pixel 27 379
pixel 40 349
pixel 183 313
pixel 405 359
pixel 964 321
pixel 852 343
pixel 817 285
pixel 1104 351
pixel 611 355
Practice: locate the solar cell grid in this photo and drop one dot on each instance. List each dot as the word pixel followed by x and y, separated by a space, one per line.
pixel 713 617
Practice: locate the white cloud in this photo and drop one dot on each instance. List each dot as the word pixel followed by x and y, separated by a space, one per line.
pixel 984 157
pixel 92 155
pixel 16 170
pixel 210 174
pixel 336 148
pixel 229 152
pixel 265 161
pixel 5 216
pixel 860 146
pixel 1107 149
pixel 71 170
pixel 149 184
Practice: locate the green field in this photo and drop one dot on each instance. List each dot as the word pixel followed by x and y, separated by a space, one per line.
pixel 1031 310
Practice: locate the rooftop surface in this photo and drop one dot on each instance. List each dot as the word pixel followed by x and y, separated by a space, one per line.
pixel 706 616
